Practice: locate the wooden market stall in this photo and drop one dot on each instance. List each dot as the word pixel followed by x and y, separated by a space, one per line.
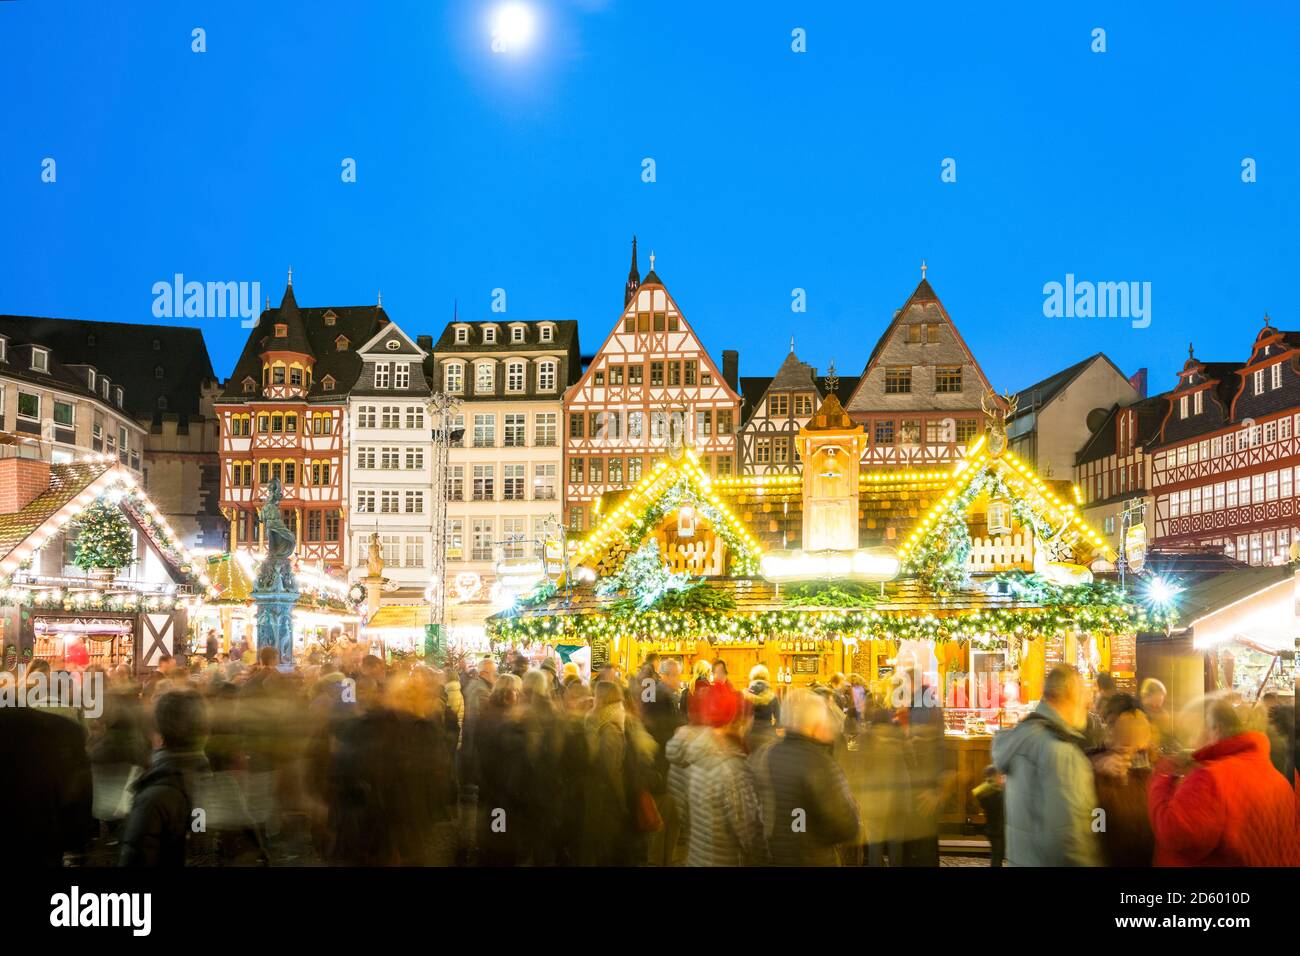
pixel 963 584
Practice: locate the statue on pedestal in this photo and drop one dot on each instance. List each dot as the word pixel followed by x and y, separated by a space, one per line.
pixel 276 589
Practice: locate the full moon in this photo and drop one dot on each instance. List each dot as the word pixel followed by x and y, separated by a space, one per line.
pixel 512 27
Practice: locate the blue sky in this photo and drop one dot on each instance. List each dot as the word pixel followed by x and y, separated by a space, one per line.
pixel 775 170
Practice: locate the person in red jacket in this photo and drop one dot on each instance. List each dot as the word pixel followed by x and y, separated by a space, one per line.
pixel 1230 807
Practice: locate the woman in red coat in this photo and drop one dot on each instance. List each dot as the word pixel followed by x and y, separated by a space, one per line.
pixel 1230 807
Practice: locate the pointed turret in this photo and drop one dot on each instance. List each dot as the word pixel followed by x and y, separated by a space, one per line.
pixel 285 331
pixel 633 277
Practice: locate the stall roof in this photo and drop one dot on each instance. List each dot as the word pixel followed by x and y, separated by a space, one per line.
pixel 67 481
pixel 1217 593
pixel 234 586
pixel 407 617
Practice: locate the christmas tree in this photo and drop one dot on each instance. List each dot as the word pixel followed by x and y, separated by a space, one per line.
pixel 104 540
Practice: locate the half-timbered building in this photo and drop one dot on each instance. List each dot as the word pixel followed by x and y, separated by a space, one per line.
pixel 1225 469
pixel 1112 469
pixel 774 410
pixel 651 386
pixel 283 413
pixel 920 397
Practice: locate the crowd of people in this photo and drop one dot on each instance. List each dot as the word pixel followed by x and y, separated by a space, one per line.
pixel 507 764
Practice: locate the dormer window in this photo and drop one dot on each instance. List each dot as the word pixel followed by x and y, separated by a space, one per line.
pixel 327 383
pixel 158 372
pixel 393 345
pixel 4 349
pixel 281 330
pixel 330 317
pixel 90 379
pixel 341 343
pixel 516 333
pixel 117 396
pixel 157 345
pixel 489 335
pixel 547 333
pixel 40 360
pixel 103 388
pixel 90 340
pixel 462 335
pixel 250 385
pixel 162 403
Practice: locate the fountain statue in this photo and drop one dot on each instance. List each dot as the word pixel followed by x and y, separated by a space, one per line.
pixel 275 591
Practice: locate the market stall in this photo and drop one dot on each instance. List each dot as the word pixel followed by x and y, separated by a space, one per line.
pixel 953 589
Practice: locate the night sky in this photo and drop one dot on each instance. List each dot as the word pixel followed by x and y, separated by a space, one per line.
pixel 775 170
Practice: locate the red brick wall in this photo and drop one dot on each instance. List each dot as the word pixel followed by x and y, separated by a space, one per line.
pixel 21 480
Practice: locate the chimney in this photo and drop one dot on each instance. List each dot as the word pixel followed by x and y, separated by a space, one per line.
pixel 22 480
pixel 425 342
pixel 731 368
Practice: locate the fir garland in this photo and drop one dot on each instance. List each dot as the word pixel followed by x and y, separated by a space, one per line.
pixel 830 594
pixel 744 561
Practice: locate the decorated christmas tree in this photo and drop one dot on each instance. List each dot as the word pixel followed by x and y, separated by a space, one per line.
pixel 104 541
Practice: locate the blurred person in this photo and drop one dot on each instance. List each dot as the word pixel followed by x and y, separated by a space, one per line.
pixel 159 824
pixel 808 807
pixel 723 821
pixel 701 674
pixel 991 797
pixel 1280 729
pixel 503 797
pixel 573 771
pixel 1050 796
pixel 765 707
pixel 1122 776
pixel 929 780
pixel 45 787
pixel 719 672
pixel 614 773
pixel 543 739
pixel 662 716
pixel 878 777
pixel 1152 697
pixel 569 675
pixel 1225 804
pixel 1095 734
pixel 476 690
pixel 212 647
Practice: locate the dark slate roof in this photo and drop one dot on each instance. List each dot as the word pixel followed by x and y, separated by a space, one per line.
pixel 1187 566
pixel 358 323
pixel 1040 393
pixel 290 316
pixel 1150 413
pixel 793 374
pixel 125 352
pixel 66 482
pixel 566 334
pixel 844 388
pixel 752 390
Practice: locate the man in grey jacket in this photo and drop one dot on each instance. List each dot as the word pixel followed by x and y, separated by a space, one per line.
pixel 1050 798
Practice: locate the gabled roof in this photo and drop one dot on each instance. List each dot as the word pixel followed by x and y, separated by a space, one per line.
pixel 1104 441
pixel 358 323
pixel 125 352
pixel 923 297
pixel 67 481
pixel 1038 395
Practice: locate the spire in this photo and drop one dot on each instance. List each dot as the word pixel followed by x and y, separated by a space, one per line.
pixel 455 310
pixel 792 345
pixel 291 275
pixel 633 277
pixel 922 270
pixel 380 303
pixel 1190 356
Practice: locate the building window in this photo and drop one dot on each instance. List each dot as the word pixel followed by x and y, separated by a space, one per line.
pixel 40 360
pixel 414 551
pixel 1182 407
pixel 515 377
pixel 402 375
pixel 547 333
pixel 690 371
pixel 455 540
pixel 414 417
pixel 576 471
pixel 391 416
pixel 803 405
pixel 29 406
pixel 966 429
pixel 724 421
pixel 484 378
pixel 634 373
pixel 778 406
pixel 898 381
pixel 635 425
pixel 482 550
pixel 414 502
pixel 365 416
pixel 616 375
pixel 544 482
pixel 484 482
pixel 389 502
pixel 763 451
pixel 1258 378
pixel 454 377
pixel 1275 372
pixel 365 502
pixel 455 482
pixel 462 335
pixel 885 432
pixel 674 373
pixel 575 424
pixel 63 413
pixel 490 335
pixel 633 470
pixel 614 471
pixel 485 430
pixel 544 430
pixel 390 458
pixel 596 470
pixel 383 373
pixel 516 333
pixel 514 433
pixel 656 374
pixel 947 379
pixel 365 458
pixel 914 334
pixel 546 376
pixel 512 482
pixel 415 459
